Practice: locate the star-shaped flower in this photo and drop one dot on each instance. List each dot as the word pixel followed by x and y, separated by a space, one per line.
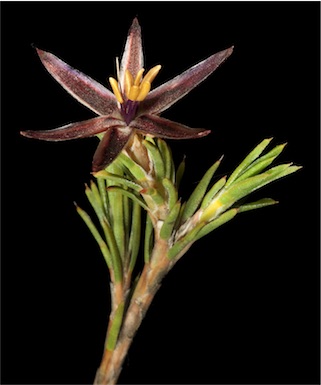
pixel 130 107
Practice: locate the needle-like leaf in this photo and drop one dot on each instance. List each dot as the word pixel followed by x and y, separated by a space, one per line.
pixel 252 156
pixel 198 194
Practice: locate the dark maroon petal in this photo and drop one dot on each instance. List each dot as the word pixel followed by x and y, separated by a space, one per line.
pixel 133 58
pixel 83 88
pixel 170 92
pixel 163 128
pixel 110 146
pixel 77 130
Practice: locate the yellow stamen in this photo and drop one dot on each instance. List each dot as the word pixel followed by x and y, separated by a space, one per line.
pixel 144 89
pixel 133 93
pixel 114 85
pixel 134 89
pixel 129 80
pixel 138 77
pixel 151 74
pixel 141 86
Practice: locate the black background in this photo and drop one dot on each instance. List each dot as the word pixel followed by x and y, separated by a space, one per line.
pixel 242 306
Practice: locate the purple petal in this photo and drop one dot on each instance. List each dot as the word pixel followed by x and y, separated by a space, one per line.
pixel 77 130
pixel 83 88
pixel 133 58
pixel 110 146
pixel 163 128
pixel 170 92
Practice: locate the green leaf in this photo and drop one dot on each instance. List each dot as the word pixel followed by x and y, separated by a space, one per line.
pixel 154 194
pixel 261 163
pixel 156 158
pixel 95 200
pixel 198 194
pixel 109 234
pixel 274 153
pixel 127 208
pixel 118 179
pixel 223 218
pixel 117 209
pixel 169 223
pixel 114 189
pixel 254 170
pixel 135 233
pixel 240 189
pixel 180 173
pixel 101 243
pixel 171 191
pixel 97 208
pixel 119 225
pixel 213 191
pixel 254 154
pixel 114 251
pixel 103 194
pixel 148 242
pixel 114 329
pixel 137 171
pixel 257 205
pixel 184 242
pixel 167 159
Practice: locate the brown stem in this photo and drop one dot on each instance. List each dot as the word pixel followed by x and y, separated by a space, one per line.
pixel 147 286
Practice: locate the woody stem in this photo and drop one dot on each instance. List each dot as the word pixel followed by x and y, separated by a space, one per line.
pixel 147 286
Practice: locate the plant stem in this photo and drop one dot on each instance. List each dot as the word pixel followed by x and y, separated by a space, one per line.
pixel 147 286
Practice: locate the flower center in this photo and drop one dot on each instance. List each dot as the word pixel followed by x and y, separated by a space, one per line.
pixel 135 90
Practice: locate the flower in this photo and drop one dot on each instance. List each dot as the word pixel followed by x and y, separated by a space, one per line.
pixel 131 106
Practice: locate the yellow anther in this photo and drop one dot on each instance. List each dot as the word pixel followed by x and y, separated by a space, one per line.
pixel 133 93
pixel 114 85
pixel 138 77
pixel 134 89
pixel 144 89
pixel 129 81
pixel 151 74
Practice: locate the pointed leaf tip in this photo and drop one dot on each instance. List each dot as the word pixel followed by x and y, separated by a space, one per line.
pixel 258 204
